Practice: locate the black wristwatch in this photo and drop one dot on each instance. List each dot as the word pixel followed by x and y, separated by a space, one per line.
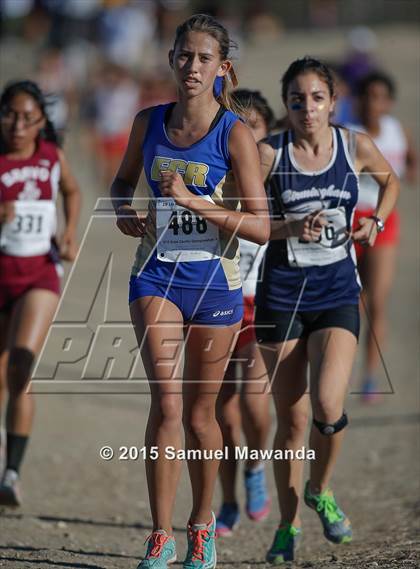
pixel 380 225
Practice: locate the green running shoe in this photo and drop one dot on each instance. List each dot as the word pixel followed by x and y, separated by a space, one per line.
pixel 160 551
pixel 201 552
pixel 286 541
pixel 337 526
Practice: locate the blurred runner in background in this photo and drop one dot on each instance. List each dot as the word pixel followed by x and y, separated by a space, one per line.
pixel 33 170
pixel 375 98
pixel 250 410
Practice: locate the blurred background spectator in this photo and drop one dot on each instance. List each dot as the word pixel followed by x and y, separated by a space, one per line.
pixel 101 61
pixel 111 102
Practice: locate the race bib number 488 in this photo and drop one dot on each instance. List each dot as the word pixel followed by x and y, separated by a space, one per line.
pixel 184 236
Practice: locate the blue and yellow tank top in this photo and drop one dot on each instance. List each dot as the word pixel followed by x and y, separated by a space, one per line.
pixel 179 247
pixel 296 275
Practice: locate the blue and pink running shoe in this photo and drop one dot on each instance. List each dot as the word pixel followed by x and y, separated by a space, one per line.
pixel 257 499
pixel 227 520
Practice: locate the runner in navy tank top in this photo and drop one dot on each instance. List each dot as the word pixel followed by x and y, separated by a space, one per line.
pixel 185 281
pixel 33 170
pixel 305 277
pixel 308 292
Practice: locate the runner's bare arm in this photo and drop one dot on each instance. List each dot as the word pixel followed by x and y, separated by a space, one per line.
pixel 69 188
pixel 307 228
pixel 370 160
pixel 411 159
pixel 7 212
pixel 278 228
pixel 250 183
pixel 252 223
pixel 127 177
pixel 267 156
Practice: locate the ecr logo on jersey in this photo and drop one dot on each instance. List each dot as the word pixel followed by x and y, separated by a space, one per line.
pixel 194 173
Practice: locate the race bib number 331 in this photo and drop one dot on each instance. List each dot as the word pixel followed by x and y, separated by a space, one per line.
pixel 30 232
pixel 184 236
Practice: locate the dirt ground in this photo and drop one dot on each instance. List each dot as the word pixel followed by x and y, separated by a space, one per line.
pixel 80 511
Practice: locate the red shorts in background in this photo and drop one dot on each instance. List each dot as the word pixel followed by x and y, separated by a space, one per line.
pixel 20 274
pixel 390 235
pixel 113 146
pixel 247 336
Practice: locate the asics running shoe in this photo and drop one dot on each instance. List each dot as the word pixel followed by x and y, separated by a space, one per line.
pixel 337 527
pixel 160 551
pixel 285 543
pixel 201 552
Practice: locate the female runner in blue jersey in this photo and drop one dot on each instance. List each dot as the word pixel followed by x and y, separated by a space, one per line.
pixel 308 291
pixel 185 289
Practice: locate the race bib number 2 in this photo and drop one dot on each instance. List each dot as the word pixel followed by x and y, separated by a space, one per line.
pixel 331 246
pixel 184 236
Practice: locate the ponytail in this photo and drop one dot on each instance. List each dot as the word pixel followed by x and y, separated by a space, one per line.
pixel 225 98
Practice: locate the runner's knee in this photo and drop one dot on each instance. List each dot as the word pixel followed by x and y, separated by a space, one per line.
pixel 167 408
pixel 198 418
pixel 377 305
pixel 230 425
pixel 19 370
pixel 327 408
pixel 293 422
pixel 329 429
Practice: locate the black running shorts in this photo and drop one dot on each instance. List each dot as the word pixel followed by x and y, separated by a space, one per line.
pixel 279 326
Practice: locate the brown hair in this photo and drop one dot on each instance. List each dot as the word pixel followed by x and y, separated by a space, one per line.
pixel 307 65
pixel 31 89
pixel 209 25
pixel 255 101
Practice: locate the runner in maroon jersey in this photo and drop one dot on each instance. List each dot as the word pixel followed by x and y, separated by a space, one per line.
pixel 32 171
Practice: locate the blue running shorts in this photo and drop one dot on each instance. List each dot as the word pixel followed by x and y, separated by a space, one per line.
pixel 198 306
